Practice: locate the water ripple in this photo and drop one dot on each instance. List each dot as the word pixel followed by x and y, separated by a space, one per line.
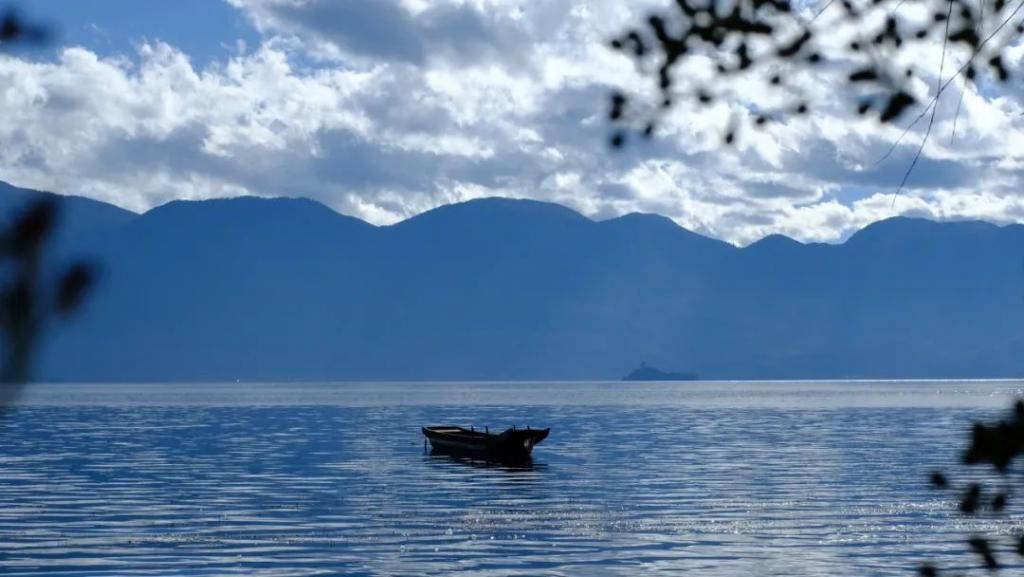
pixel 722 479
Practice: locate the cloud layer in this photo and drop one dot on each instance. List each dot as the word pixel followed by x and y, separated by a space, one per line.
pixel 385 109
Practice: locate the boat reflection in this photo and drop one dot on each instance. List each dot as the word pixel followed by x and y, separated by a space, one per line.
pixel 438 456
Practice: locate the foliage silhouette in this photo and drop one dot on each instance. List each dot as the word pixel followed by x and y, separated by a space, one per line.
pixel 16 31
pixel 29 298
pixel 996 447
pixel 707 50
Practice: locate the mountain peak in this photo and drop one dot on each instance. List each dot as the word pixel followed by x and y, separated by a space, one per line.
pixel 774 241
pixel 240 203
pixel 900 229
pixel 658 229
pixel 647 218
pixel 251 209
pixel 496 211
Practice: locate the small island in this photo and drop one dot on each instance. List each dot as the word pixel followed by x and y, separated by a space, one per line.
pixel 649 373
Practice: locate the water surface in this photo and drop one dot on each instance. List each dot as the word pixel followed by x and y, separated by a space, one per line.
pixel 635 479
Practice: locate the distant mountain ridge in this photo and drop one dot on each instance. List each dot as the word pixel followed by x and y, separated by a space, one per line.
pixel 287 289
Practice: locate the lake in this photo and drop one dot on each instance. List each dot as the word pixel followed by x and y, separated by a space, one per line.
pixel 720 479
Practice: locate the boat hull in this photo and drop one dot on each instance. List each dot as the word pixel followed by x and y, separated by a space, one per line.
pixel 511 445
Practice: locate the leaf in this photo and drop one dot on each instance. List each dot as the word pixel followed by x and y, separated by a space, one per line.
pixel 863 75
pixel 34 225
pixel 997 64
pixel 73 286
pixel 795 46
pixel 898 103
pixel 664 78
pixel 11 28
pixel 639 46
pixel 657 24
pixel 999 502
pixel 972 496
pixel 966 35
pixel 618 101
pixel 981 546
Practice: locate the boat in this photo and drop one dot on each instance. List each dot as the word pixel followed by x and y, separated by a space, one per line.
pixel 512 445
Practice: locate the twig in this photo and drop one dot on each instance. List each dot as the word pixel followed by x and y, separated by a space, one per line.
pixel 956 117
pixel 935 108
pixel 946 84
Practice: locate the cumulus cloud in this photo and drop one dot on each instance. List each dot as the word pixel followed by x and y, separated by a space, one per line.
pixel 388 108
pixel 391 31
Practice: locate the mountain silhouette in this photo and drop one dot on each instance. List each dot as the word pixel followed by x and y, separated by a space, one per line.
pixel 287 289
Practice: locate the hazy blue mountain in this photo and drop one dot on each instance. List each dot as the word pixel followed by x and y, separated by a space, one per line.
pixel 497 289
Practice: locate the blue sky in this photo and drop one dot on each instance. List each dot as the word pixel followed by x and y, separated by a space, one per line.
pixel 206 30
pixel 388 108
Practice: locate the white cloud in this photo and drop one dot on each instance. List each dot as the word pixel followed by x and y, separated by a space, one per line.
pixel 385 112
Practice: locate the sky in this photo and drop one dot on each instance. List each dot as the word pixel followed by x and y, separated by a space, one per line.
pixel 385 109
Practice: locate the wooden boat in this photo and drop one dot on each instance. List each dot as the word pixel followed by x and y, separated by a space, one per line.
pixel 512 445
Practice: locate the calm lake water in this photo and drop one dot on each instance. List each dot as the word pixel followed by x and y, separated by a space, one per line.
pixel 635 479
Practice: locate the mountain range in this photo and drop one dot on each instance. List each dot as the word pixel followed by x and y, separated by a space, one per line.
pixel 499 289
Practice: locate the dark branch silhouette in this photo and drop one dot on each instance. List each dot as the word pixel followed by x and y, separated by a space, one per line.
pixel 30 298
pixel 699 50
pixel 997 448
